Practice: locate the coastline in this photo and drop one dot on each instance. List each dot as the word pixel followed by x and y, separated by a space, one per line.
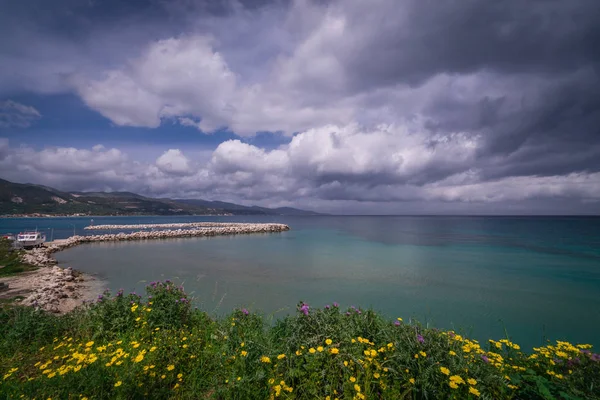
pixel 60 290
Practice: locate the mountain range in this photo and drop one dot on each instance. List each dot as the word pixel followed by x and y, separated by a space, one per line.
pixel 19 199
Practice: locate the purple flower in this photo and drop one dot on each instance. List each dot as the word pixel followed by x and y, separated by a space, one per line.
pixel 304 309
pixel 484 358
pixel 348 313
pixel 327 307
pixel 420 339
pixel 397 323
pixel 335 304
pixel 245 311
pixel 595 357
pixel 358 312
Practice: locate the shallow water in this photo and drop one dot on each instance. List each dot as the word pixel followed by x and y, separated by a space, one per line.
pixel 535 277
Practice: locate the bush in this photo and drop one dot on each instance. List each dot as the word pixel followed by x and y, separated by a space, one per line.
pixel 126 346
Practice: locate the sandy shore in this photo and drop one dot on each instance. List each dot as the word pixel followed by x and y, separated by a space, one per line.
pixel 60 290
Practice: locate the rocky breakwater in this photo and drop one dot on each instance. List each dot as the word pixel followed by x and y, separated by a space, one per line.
pixel 241 225
pixel 59 290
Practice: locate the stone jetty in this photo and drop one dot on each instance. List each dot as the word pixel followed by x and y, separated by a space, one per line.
pixel 249 227
pixel 56 289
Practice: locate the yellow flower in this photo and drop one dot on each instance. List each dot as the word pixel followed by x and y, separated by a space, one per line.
pixel 281 356
pixel 163 376
pixel 416 356
pixel 412 380
pixel 119 383
pixel 399 319
pixel 423 353
pixel 89 344
pixel 52 375
pixel 445 370
pixel 170 367
pixel 265 359
pixel 312 351
pixel 474 391
pixel 320 349
pixel 352 379
pixel 357 388
pixel 472 381
pixel 244 353
pixel 453 385
pixel 457 379
pixel 376 375
pixel 328 342
pixel 345 363
pixel 153 348
pixel 298 353
pixel 452 353
pixel 179 376
pixel 334 350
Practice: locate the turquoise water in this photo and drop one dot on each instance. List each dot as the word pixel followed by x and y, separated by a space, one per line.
pixel 536 277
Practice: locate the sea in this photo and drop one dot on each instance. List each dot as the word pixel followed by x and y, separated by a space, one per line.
pixel 532 279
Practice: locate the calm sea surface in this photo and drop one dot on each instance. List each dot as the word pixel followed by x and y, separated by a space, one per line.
pixel 534 277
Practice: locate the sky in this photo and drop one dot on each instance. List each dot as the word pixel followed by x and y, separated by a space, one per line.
pixel 341 106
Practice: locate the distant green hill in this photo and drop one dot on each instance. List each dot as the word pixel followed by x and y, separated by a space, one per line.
pixel 17 198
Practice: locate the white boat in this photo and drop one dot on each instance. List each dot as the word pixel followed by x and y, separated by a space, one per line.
pixel 30 239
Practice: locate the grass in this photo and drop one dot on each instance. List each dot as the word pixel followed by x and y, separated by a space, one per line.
pixel 10 260
pixel 160 347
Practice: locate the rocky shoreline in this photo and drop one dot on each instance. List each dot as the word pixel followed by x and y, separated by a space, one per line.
pixel 59 290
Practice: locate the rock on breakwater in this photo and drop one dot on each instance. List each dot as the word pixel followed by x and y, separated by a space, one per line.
pixel 240 225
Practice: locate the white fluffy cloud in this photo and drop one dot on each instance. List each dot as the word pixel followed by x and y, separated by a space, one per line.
pixel 174 162
pixel 322 167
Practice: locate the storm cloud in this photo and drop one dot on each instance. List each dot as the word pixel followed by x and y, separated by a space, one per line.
pixel 455 104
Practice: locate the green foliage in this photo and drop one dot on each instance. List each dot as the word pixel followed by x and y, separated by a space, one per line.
pixel 129 347
pixel 10 260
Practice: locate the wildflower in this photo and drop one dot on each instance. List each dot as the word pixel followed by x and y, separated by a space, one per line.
pixel 320 349
pixel 453 385
pixel 244 353
pixel 89 344
pixel 281 356
pixel 334 350
pixel 357 387
pixel 457 379
pixel 352 379
pixel 304 308
pixel 452 353
pixel 445 370
pixel 298 353
pixel 420 339
pixel 265 359
pixel 412 380
pixel 312 350
pixel 170 367
pixel 335 304
pixel 474 391
pixel 119 383
pixel 328 342
pixel 423 353
pixel 376 375
pixel 484 358
pixel 179 376
pixel 153 348
pixel 472 381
